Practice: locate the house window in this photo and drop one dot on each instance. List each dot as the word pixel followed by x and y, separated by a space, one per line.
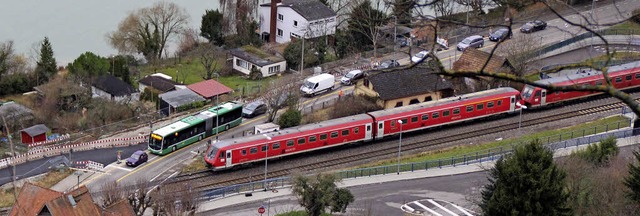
pixel 398 104
pixel 280 17
pixel 274 69
pixel 280 33
pixel 295 23
pixel 427 98
pixel 366 82
pixel 414 101
pixel 295 35
pixel 242 63
pixel 332 19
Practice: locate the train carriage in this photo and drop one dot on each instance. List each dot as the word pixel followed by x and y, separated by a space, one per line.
pixel 623 76
pixel 446 111
pixel 233 152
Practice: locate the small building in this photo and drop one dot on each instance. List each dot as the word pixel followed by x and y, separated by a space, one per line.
pixel 15 115
pixel 171 101
pixel 158 83
pixel 109 87
pixel 474 60
pixel 403 87
pixel 248 58
pixel 265 128
pixel 281 21
pixel 34 134
pixel 209 89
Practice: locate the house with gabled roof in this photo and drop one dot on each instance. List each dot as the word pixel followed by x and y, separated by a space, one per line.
pixel 474 60
pixel 248 58
pixel 280 21
pixel 158 83
pixel 403 87
pixel 109 87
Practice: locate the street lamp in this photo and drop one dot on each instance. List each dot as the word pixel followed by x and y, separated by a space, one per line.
pixel 521 108
pixel 266 155
pixel 395 35
pixel 399 146
pixel 217 108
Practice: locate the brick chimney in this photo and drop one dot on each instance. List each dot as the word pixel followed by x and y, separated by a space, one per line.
pixel 272 20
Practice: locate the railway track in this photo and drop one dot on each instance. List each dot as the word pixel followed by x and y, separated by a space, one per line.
pixel 206 180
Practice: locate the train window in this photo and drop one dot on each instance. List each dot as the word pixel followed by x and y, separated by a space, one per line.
pixel 345 132
pixel 323 136
pixel 244 152
pixel 599 82
pixel 380 125
pixel 414 119
pixel 513 100
pixel 263 148
pixel 499 102
pixel 275 146
pixel 469 108
pixel 253 150
pixel 368 127
pixel 222 154
pixel 490 104
pixel 435 115
pixel 544 94
pixel 301 141
pixel 334 134
pixel 557 93
pixel 638 76
pixel 356 130
pixel 425 117
pixel 289 142
pixel 393 123
pixel 618 79
pixel 312 138
pixel 480 106
pixel 445 113
pixel 456 111
pixel 537 93
pixel 628 77
pixel 404 121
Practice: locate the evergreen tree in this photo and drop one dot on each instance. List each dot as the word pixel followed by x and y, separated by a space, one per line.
pixel 601 153
pixel 46 65
pixel 211 27
pixel 527 182
pixel 633 180
pixel 403 10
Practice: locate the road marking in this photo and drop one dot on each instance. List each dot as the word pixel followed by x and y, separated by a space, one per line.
pixel 152 162
pixel 119 167
pixel 154 187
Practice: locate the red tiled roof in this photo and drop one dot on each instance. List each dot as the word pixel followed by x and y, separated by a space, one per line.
pixel 209 88
pixel 32 198
pixel 84 205
pixel 473 60
pixel 121 208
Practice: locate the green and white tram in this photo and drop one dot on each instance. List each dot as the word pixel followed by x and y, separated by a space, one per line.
pixel 194 128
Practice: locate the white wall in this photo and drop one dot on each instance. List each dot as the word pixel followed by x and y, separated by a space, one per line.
pixel 265 16
pixel 265 69
pixel 327 27
pixel 96 93
pixel 241 69
pixel 141 87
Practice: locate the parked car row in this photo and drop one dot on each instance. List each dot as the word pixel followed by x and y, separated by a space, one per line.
pixel 477 41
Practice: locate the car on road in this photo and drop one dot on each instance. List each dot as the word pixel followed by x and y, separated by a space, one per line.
pixel 500 34
pixel 137 158
pixel 391 63
pixel 475 41
pixel 419 56
pixel 254 109
pixel 533 26
pixel 401 41
pixel 351 77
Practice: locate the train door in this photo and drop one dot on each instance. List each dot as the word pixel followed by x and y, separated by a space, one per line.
pixel 543 98
pixel 367 133
pixel 512 106
pixel 380 129
pixel 228 161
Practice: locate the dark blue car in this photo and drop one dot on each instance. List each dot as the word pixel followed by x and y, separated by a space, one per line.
pixel 137 158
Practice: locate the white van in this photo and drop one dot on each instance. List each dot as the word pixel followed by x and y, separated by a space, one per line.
pixel 316 84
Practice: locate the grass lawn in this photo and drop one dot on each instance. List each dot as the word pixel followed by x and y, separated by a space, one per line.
pixel 47 181
pixel 587 128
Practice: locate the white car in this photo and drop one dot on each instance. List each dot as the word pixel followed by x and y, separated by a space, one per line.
pixel 419 56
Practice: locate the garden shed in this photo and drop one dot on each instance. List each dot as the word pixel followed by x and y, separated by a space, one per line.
pixel 33 134
pixel 176 101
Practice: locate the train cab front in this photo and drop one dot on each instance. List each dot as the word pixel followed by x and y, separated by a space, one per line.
pixel 210 157
pixel 527 96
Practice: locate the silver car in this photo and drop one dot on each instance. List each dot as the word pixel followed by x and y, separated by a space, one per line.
pixel 475 41
pixel 351 77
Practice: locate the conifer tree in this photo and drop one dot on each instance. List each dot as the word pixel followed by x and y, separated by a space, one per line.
pixel 633 180
pixel 46 66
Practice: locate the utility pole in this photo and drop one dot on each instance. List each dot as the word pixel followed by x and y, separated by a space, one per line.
pixel 13 165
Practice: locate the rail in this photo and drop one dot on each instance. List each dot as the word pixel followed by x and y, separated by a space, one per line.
pixel 559 141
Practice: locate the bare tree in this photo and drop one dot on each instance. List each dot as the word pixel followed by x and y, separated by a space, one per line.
pixel 443 7
pixel 189 40
pixel 208 57
pixel 520 51
pixel 175 199
pixel 138 196
pixel 366 21
pixel 110 193
pixel 282 92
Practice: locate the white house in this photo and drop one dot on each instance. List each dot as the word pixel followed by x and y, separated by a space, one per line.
pixel 112 88
pixel 246 58
pixel 296 19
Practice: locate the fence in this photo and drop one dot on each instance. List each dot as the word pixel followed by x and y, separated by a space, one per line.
pixel 586 35
pixel 559 141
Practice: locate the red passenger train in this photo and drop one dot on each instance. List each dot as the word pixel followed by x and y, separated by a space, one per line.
pixel 623 76
pixel 361 128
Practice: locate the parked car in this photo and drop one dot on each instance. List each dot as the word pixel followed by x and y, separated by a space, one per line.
pixel 253 109
pixel 316 84
pixel 500 34
pixel 419 56
pixel 533 26
pixel 388 64
pixel 137 158
pixel 401 41
pixel 351 77
pixel 475 41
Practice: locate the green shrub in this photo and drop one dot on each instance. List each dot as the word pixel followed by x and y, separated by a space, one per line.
pixel 290 118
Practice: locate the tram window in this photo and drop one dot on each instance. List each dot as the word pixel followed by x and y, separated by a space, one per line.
pixel 445 113
pixel 355 130
pixel 618 79
pixel 490 104
pixel 275 146
pixel 263 148
pixel 425 117
pixel 414 119
pixel 638 76
pixel 334 134
pixel 289 143
pixel 253 150
pixel 312 138
pixel 435 115
pixel 244 152
pixel 301 141
pixel 456 111
pixel 599 82
pixel 469 108
pixel 480 106
pixel 500 102
pixel 628 77
pixel 345 132
pixel 323 136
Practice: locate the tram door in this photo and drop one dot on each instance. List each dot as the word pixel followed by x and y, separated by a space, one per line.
pixel 228 161
pixel 543 98
pixel 367 133
pixel 380 129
